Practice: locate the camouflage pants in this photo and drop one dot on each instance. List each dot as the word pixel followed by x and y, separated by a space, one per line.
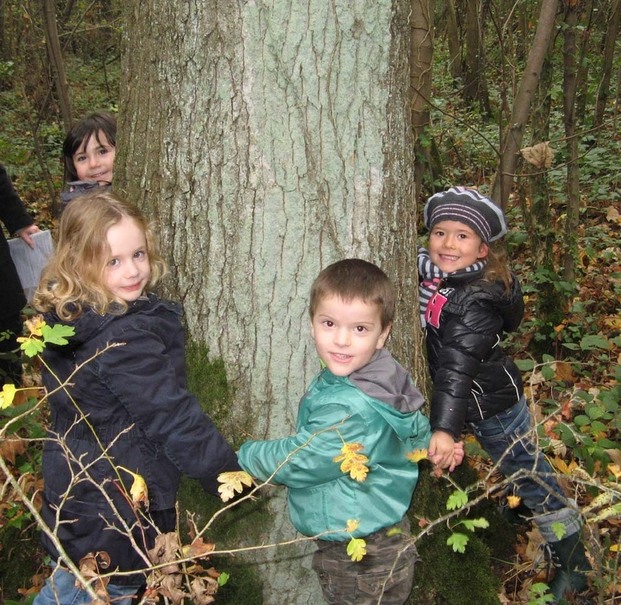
pixel 385 575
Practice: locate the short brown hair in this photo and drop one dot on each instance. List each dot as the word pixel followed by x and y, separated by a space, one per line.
pixel 355 278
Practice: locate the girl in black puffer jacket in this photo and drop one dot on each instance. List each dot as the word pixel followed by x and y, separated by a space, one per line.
pixel 468 300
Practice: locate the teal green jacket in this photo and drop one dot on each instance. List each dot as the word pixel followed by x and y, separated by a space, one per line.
pixel 377 407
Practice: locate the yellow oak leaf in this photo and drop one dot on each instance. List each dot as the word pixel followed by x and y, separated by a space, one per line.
pixel 615 469
pixel 7 395
pixel 560 465
pixel 356 549
pixel 417 455
pixel 359 471
pixel 513 501
pixel 352 525
pixel 233 482
pixel 352 462
pixel 35 325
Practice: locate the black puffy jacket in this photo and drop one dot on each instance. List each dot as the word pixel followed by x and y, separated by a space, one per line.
pixel 472 376
pixel 126 405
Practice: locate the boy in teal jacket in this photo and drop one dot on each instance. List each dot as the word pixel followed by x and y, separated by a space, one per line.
pixel 347 467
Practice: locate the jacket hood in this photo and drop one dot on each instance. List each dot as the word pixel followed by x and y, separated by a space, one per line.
pixel 385 379
pixel 90 323
pixel 511 307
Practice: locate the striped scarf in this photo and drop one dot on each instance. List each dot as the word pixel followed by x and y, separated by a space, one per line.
pixel 431 275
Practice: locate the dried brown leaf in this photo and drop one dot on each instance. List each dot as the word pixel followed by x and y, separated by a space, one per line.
pixel 540 155
pixel 165 550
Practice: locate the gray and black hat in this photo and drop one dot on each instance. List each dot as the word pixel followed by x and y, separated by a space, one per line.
pixel 466 206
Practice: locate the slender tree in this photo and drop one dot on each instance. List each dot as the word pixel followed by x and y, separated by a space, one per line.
pixel 57 63
pixel 475 81
pixel 511 138
pixel 452 36
pixel 570 86
pixel 421 78
pixel 610 42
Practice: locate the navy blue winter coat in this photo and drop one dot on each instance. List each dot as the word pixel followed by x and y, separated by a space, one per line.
pixel 126 406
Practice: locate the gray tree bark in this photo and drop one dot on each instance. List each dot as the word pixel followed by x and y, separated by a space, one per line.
pixel 268 139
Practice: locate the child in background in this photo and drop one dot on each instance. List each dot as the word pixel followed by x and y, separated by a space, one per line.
pixel 16 219
pixel 469 299
pixel 125 408
pixel 89 151
pixel 362 396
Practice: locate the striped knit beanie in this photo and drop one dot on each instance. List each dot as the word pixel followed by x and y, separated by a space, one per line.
pixel 466 206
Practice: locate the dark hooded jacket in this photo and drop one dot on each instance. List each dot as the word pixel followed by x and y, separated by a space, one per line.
pixel 473 378
pixel 14 217
pixel 126 410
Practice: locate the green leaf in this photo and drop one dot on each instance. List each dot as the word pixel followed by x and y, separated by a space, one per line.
pixel 57 334
pixel 458 499
pixel 32 347
pixel 595 341
pixel 582 420
pixel 458 542
pixel 598 427
pixel 594 412
pixel 525 365
pixel 472 524
pixel 559 530
pixel 539 594
pixel 548 372
pixel 223 578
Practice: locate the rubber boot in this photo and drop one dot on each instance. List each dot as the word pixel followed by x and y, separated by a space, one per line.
pixel 571 563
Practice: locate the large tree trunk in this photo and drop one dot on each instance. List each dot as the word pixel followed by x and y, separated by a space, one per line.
pixel 267 142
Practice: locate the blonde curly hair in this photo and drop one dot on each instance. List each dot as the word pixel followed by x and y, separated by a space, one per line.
pixel 74 278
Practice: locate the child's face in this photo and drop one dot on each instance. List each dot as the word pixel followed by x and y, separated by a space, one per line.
pixel 347 334
pixel 128 269
pixel 95 160
pixel 454 245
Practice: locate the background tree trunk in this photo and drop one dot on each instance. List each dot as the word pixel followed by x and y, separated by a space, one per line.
pixel 420 77
pixel 512 137
pixel 610 40
pixel 268 142
pixel 570 86
pixel 475 80
pixel 56 62
pixel 452 38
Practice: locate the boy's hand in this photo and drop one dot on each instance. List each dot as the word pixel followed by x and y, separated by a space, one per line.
pixel 442 450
